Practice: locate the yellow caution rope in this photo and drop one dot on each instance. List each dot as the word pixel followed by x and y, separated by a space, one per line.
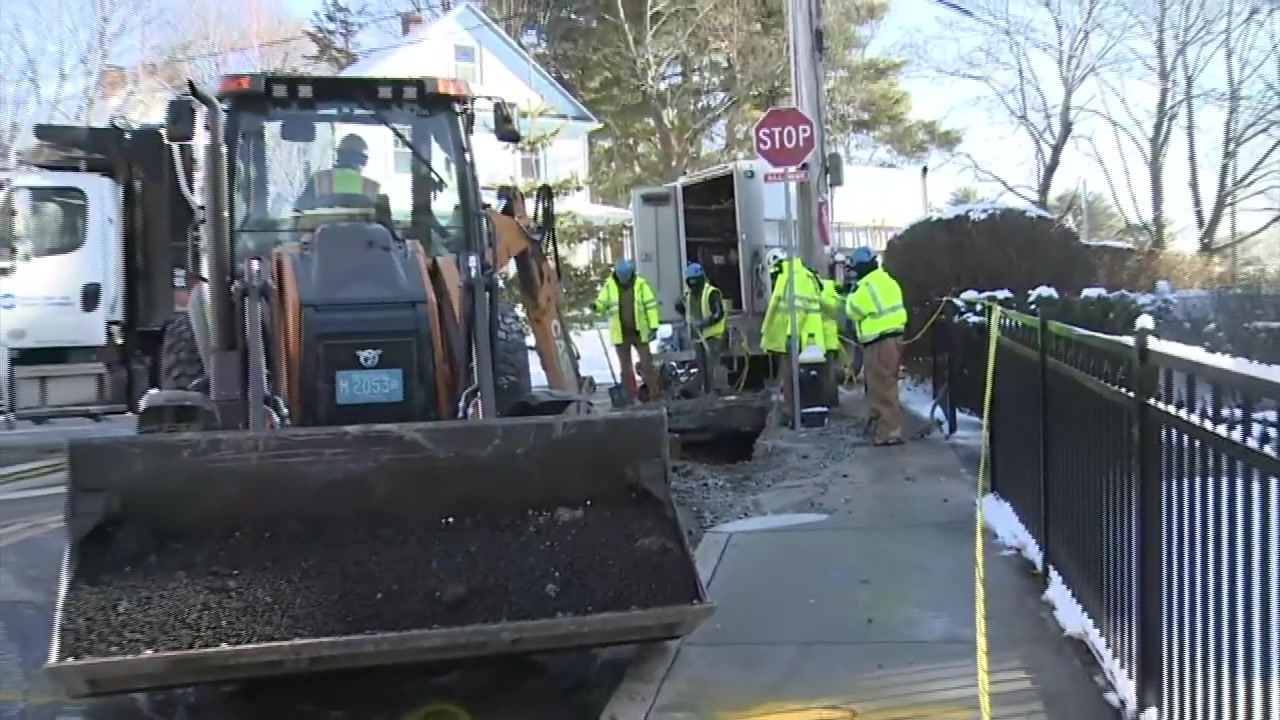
pixel 984 486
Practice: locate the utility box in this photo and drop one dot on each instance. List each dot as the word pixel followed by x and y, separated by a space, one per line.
pixel 725 218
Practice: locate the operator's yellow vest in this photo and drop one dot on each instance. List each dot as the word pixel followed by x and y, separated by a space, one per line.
pixel 344 181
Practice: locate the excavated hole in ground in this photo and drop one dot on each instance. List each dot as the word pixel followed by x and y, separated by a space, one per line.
pixel 725 448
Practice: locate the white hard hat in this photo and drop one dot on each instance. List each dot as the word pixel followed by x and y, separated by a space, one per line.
pixel 773 257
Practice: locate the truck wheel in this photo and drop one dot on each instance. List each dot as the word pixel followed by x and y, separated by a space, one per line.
pixel 512 380
pixel 180 363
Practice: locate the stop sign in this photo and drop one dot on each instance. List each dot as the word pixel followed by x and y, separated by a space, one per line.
pixel 784 137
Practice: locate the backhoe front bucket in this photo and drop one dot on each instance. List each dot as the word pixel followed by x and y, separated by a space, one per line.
pixel 216 556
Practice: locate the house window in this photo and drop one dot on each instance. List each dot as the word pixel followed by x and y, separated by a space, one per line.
pixel 403 154
pixel 530 165
pixel 466 63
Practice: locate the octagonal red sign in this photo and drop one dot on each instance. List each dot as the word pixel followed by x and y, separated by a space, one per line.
pixel 784 137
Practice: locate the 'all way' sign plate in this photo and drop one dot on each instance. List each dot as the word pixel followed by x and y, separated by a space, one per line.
pixel 790 175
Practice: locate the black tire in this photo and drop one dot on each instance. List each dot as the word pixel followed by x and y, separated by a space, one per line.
pixel 180 363
pixel 512 380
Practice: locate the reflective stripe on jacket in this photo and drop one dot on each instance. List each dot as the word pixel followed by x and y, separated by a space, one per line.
pixel 876 307
pixel 717 328
pixel 646 308
pixel 776 329
pixel 343 181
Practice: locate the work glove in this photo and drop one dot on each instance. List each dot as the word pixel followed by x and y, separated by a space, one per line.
pixel 704 324
pixel 680 306
pixel 653 335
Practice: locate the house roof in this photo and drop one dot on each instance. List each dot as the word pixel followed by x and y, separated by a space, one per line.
pixel 492 38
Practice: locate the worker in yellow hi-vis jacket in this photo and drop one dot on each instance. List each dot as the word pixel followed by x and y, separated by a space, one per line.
pixel 629 303
pixel 775 336
pixel 879 315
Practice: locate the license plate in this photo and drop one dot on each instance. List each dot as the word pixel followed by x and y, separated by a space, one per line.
pixel 368 387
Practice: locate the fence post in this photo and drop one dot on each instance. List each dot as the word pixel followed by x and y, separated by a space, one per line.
pixel 951 337
pixel 943 372
pixel 1042 354
pixel 1146 461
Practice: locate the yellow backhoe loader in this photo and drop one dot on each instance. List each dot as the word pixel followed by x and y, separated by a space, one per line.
pixel 344 465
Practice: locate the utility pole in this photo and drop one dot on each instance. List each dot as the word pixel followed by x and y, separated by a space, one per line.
pixel 808 50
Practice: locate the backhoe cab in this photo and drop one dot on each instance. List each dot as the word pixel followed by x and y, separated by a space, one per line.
pixel 305 159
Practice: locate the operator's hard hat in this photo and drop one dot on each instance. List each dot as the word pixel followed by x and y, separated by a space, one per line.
pixel 624 269
pixel 693 270
pixel 862 255
pixel 773 257
pixel 352 143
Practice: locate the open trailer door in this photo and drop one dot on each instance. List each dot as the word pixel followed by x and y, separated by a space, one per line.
pixel 659 246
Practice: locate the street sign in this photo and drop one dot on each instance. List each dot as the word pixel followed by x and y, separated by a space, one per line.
pixel 789 175
pixel 784 137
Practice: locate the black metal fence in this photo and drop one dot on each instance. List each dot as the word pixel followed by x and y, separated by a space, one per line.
pixel 1148 474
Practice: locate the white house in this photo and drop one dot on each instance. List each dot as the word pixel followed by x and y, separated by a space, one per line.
pixel 466 44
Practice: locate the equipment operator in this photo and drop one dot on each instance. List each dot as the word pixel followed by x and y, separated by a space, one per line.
pixel 337 186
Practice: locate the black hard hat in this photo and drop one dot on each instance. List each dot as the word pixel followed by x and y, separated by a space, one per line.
pixel 353 143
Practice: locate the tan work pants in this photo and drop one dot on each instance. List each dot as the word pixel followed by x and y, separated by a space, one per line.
pixel 647 370
pixel 882 360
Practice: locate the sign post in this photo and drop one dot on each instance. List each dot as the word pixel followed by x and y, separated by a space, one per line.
pixel 785 138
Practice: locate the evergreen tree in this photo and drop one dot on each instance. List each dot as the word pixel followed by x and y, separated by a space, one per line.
pixel 334 29
pixel 966 195
pixel 579 283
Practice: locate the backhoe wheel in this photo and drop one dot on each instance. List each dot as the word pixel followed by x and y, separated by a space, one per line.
pixel 510 360
pixel 180 363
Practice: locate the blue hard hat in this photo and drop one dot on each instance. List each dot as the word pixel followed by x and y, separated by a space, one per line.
pixel 624 269
pixel 693 270
pixel 862 255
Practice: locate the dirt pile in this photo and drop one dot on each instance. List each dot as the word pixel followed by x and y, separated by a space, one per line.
pixel 135 593
pixel 789 472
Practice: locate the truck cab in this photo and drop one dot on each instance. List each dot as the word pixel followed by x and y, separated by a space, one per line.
pixel 725 218
pixel 85 285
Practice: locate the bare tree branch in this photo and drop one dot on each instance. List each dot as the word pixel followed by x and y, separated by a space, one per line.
pixel 1034 61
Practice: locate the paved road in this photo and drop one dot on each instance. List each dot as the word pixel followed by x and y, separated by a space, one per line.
pixel 30 442
pixel 562 687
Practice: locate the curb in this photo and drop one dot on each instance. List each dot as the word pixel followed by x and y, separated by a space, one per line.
pixel 29 470
pixel 635 697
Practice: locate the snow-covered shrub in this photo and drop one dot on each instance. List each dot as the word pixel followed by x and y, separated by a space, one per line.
pixel 984 246
pixel 1097 309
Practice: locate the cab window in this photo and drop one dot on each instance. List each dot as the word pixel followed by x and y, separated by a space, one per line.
pixel 40 222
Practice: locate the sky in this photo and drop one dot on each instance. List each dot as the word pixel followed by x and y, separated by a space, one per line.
pixel 997 146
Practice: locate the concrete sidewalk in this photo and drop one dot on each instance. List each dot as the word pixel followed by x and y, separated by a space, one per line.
pixel 867 613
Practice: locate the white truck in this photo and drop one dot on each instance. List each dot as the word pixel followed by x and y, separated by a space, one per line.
pixel 86 286
pixel 725 218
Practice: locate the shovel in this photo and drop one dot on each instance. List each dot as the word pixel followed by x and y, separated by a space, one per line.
pixel 617 393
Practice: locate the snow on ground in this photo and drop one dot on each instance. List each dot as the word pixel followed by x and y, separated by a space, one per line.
pixel 596 358
pixel 918 399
